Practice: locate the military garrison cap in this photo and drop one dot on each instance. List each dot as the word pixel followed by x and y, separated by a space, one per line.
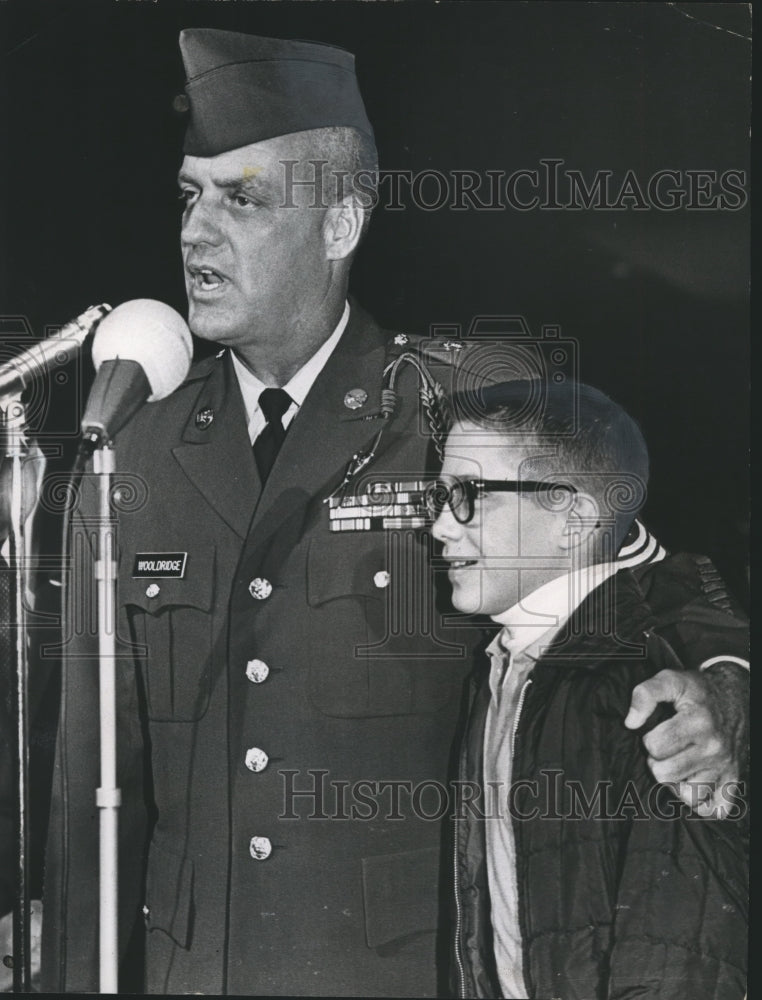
pixel 245 88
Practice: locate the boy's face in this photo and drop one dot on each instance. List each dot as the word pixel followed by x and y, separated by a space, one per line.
pixel 513 544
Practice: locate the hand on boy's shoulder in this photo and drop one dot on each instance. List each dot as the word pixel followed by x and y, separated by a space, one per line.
pixel 705 741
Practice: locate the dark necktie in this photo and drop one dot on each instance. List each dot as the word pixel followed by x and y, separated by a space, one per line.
pixel 273 403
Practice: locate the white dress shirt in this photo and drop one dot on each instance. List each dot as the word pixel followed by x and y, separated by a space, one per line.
pixel 297 387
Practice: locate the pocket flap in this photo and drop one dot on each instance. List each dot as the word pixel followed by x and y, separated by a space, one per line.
pixel 401 894
pixel 194 589
pixel 342 565
pixel 169 890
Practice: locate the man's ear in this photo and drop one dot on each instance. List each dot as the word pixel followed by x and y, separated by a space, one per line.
pixel 342 227
pixel 582 521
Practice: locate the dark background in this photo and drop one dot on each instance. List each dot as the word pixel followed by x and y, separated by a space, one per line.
pixel 658 301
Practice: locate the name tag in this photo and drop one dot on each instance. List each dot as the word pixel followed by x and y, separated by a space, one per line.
pixel 165 564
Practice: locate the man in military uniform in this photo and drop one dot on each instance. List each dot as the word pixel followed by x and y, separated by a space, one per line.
pixel 275 707
pixel 268 659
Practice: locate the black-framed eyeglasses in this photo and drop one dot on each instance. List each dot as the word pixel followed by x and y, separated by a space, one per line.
pixel 460 495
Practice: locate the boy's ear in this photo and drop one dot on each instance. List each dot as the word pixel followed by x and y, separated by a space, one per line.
pixel 342 227
pixel 582 521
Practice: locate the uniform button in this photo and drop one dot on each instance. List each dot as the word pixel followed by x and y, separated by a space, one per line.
pixel 257 671
pixel 260 589
pixel 256 759
pixel 152 590
pixel 260 848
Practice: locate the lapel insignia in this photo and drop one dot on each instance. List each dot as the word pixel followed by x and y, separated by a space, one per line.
pixel 204 418
pixel 355 398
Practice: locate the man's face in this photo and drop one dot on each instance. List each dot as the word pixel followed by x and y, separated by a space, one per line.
pixel 254 268
pixel 513 544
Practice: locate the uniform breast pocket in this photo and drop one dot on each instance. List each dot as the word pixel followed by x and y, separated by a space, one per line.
pixel 174 619
pixel 366 658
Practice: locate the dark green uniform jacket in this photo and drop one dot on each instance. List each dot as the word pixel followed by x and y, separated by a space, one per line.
pixel 288 658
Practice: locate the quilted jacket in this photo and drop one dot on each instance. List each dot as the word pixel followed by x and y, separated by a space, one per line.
pixel 622 891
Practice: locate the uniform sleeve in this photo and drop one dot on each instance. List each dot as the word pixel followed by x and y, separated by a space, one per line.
pixel 694 610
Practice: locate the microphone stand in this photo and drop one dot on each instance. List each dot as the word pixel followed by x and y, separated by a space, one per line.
pixel 15 377
pixel 14 421
pixel 108 796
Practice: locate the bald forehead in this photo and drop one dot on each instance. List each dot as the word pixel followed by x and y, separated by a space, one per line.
pixel 286 167
pixel 246 162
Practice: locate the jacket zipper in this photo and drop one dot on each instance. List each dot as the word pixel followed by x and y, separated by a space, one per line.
pixel 458 959
pixel 515 729
pixel 519 706
pixel 456 885
pixel 458 912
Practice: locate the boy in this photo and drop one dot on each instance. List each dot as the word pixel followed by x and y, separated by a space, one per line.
pixel 577 875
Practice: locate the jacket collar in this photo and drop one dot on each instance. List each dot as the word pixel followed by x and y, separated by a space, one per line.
pixel 610 623
pixel 326 433
pixel 216 456
pixel 215 453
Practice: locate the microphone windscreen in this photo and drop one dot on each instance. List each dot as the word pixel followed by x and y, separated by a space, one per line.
pixel 152 334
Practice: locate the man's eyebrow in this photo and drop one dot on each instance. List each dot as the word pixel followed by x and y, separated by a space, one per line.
pixel 249 181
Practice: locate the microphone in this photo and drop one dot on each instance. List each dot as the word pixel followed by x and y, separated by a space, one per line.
pixel 18 373
pixel 141 352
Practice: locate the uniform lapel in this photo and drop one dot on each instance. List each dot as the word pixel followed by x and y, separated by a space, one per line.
pixel 217 457
pixel 326 434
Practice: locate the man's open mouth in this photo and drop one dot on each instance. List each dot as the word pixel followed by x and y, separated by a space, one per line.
pixel 205 278
pixel 460 563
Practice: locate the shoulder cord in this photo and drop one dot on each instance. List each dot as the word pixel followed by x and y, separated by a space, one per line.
pixel 431 394
pixel 434 402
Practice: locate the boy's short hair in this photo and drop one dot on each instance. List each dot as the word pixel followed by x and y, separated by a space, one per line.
pixel 572 432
